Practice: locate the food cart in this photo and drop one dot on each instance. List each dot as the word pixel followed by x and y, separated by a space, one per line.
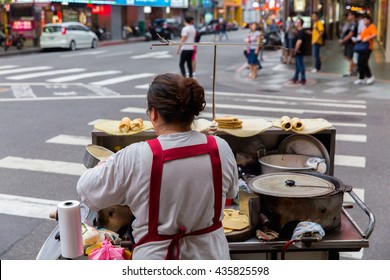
pixel 346 237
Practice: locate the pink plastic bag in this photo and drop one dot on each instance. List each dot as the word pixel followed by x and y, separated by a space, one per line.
pixel 107 252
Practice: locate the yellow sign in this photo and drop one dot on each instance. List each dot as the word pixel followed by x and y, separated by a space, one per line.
pixel 299 5
pixel 232 2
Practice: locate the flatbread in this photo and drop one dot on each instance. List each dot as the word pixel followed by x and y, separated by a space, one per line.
pixel 124 125
pixel 234 220
pixel 112 127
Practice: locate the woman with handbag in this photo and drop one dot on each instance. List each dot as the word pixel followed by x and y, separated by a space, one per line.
pixel 367 36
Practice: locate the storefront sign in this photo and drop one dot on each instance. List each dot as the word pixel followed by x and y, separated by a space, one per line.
pixel 232 2
pixel 22 25
pixel 299 5
pixel 179 3
pixel 152 3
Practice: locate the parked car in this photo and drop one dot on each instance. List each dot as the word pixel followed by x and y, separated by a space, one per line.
pixel 167 28
pixel 68 35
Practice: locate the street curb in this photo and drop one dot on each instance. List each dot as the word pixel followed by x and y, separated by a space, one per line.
pixel 101 44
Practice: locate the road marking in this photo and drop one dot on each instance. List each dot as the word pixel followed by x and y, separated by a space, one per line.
pixel 114 54
pixel 362 125
pixel 51 166
pixel 295 99
pixel 144 86
pixel 8 66
pixel 123 79
pixel 23 91
pixel 48 73
pixel 134 110
pixel 27 69
pixel 351 137
pixel 154 55
pixel 99 90
pixel 287 110
pixel 350 161
pixel 84 53
pixel 70 140
pixel 354 106
pixel 27 206
pixel 83 76
pixel 358 191
pixel 61 98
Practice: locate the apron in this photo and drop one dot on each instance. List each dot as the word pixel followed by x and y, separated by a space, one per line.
pixel 159 157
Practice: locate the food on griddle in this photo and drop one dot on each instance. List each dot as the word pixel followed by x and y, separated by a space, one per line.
pixel 286 123
pixel 297 124
pixel 136 124
pixel 229 122
pixel 125 125
pixel 233 220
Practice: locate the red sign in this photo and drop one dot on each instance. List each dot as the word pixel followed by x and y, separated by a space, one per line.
pixel 22 25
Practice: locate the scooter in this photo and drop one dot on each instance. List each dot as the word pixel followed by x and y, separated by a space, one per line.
pixel 272 39
pixel 12 40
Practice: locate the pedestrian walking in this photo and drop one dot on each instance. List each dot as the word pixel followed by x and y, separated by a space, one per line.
pixel 368 35
pixel 254 37
pixel 289 34
pixel 216 28
pixel 317 40
pixel 197 40
pixel 222 29
pixel 188 34
pixel 349 31
pixel 299 50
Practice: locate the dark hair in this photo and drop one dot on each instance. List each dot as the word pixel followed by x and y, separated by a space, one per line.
pixel 177 99
pixel 351 13
pixel 301 20
pixel 368 17
pixel 189 19
pixel 316 13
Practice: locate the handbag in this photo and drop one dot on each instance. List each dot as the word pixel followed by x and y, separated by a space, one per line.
pixel 361 47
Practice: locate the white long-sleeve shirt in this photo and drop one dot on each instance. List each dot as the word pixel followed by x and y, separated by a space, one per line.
pixel 187 194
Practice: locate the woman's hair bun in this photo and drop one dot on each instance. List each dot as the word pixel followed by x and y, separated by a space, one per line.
pixel 191 96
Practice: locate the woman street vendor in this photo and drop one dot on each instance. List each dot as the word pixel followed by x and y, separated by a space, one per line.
pixel 175 185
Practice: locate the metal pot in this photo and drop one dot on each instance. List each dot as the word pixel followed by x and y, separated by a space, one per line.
pixel 290 162
pixel 94 154
pixel 313 197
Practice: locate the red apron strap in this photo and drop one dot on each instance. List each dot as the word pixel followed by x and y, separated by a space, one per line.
pixel 185 152
pixel 217 177
pixel 155 184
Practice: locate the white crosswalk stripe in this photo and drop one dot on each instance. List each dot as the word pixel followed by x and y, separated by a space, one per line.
pixel 26 69
pixel 26 206
pixel 7 67
pixel 47 73
pixel 70 140
pixel 122 79
pixel 83 76
pixel 39 165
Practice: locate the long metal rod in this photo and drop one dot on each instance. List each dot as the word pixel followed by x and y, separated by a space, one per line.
pixel 214 72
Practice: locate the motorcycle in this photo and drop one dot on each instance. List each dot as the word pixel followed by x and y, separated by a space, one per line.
pixel 14 40
pixel 272 39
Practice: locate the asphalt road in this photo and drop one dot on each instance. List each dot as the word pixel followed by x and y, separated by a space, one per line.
pixel 49 102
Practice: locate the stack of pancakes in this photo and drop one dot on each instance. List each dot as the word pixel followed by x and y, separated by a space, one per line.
pixel 229 122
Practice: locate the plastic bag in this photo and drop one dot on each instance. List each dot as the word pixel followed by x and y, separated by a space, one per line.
pixel 107 252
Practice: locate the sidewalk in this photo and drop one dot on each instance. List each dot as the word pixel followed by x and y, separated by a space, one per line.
pixel 30 49
pixel 334 62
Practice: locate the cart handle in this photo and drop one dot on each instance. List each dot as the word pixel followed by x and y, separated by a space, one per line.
pixel 371 218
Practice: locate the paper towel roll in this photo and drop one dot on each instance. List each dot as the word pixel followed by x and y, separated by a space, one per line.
pixel 69 219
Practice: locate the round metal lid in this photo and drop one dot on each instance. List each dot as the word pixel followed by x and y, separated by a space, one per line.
pixel 305 145
pixel 296 185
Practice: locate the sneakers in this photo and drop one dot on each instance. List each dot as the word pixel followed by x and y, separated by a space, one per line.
pixel 359 82
pixel 314 70
pixel 346 75
pixel 370 80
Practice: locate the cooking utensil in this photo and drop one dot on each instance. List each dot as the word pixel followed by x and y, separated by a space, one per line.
pixel 308 145
pixel 94 154
pixel 288 162
pixel 319 200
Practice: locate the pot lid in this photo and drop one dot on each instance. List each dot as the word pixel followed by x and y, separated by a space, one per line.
pixel 297 185
pixel 305 145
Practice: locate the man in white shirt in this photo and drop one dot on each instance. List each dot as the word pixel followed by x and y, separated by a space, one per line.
pixel 188 34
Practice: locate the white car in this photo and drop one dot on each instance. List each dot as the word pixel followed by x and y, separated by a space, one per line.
pixel 68 35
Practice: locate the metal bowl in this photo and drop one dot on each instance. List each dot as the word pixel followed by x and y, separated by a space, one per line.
pixel 94 154
pixel 284 163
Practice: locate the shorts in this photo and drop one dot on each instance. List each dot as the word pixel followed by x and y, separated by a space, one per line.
pixel 252 58
pixel 289 43
pixel 348 50
pixel 194 54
